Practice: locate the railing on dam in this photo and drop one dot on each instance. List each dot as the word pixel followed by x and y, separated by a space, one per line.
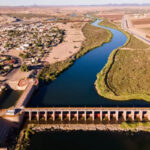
pixel 99 113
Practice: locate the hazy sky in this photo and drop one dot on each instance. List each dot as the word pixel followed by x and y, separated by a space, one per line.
pixel 66 2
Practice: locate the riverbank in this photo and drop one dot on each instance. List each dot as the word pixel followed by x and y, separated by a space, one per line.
pixel 94 37
pixel 25 136
pixel 31 129
pixel 119 79
pixel 134 127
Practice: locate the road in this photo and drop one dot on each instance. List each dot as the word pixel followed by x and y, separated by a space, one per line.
pixel 126 26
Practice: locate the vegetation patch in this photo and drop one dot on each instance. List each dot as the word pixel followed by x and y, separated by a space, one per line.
pixel 136 44
pixel 126 74
pixel 50 72
pixel 95 37
pixel 107 23
pixel 144 126
pixel 24 139
pixel 130 73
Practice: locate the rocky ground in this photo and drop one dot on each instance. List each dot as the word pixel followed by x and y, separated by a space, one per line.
pixel 87 127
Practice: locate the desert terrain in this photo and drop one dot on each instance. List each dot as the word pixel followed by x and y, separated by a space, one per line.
pixel 138 25
pixel 69 44
pixel 72 42
pixel 71 20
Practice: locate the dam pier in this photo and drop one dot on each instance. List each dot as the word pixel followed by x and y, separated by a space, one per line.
pixel 96 113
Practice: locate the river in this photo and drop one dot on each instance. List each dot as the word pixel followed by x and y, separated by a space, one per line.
pixel 75 87
pixel 89 140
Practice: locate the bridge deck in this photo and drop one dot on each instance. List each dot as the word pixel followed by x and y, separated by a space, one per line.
pixel 88 109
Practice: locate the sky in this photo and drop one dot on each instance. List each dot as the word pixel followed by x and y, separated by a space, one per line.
pixel 67 2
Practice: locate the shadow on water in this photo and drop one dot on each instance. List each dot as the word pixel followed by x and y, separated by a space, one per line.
pixel 75 87
pixel 9 98
pixel 8 132
pixel 93 140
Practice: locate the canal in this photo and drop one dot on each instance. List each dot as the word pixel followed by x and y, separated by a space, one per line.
pixel 75 87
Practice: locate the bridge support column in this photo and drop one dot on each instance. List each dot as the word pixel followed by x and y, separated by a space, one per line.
pixel 125 115
pixel 101 115
pixel 45 115
pixel 108 113
pixel 117 115
pixel 77 115
pixel 140 115
pixel 30 115
pixel 53 115
pixel 61 115
pixel 132 115
pixel 38 115
pixel 69 115
pixel 85 115
pixel 93 117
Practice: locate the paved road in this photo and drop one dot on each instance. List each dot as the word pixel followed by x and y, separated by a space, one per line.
pixel 124 26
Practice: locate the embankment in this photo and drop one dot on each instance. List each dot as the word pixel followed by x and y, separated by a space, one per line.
pixel 134 127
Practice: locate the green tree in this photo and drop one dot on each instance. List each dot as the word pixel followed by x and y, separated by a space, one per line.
pixel 24 68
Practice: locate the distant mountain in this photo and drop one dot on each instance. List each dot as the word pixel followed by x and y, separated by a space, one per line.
pixel 133 4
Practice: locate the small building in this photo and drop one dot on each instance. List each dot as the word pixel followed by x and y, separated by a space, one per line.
pixel 11 112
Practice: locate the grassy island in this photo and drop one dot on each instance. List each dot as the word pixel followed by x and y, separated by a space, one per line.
pixel 126 74
pixel 95 37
